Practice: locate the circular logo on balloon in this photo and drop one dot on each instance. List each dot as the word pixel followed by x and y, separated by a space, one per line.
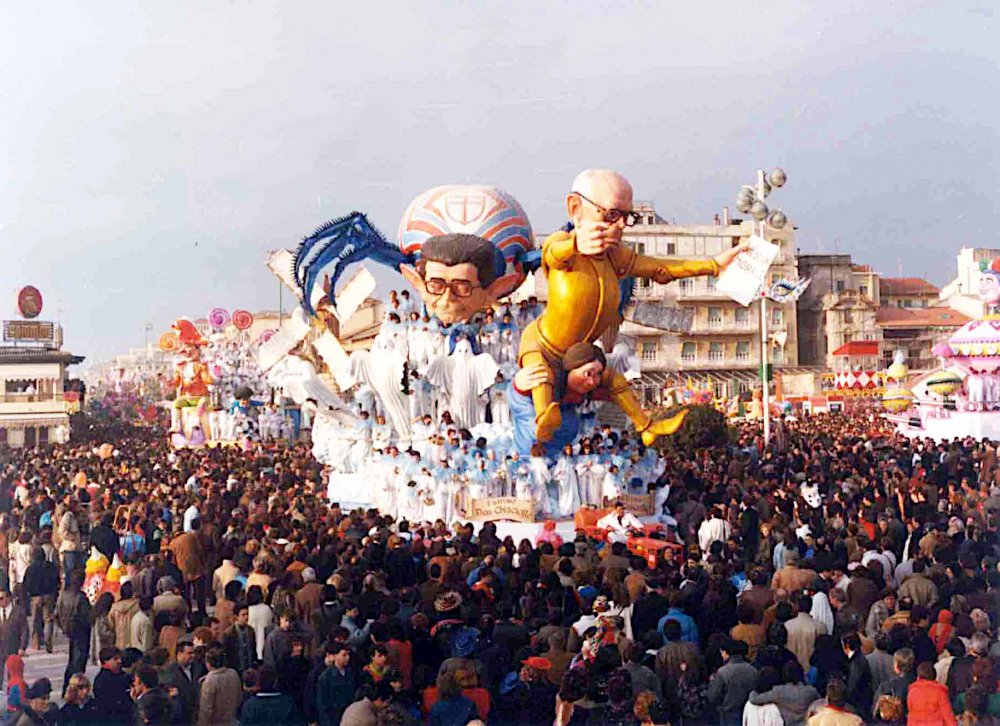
pixel 266 335
pixel 29 302
pixel 242 319
pixel 169 342
pixel 483 211
pixel 218 317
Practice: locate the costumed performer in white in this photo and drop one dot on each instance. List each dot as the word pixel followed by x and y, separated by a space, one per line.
pixel 499 410
pixel 540 480
pixel 567 482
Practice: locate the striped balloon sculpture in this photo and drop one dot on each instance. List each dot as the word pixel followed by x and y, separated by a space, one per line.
pixel 483 211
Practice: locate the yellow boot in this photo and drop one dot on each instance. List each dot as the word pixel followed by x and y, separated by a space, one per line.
pixel 547 422
pixel 663 427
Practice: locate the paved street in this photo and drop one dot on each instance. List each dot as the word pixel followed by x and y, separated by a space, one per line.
pixel 38 663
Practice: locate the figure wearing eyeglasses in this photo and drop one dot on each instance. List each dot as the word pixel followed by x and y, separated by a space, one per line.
pixel 583 269
pixel 458 275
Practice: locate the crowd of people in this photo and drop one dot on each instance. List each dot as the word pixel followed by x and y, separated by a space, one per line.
pixel 840 575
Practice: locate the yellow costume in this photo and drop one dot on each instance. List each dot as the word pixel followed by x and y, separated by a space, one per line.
pixel 583 302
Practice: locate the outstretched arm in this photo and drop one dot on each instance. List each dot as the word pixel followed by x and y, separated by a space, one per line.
pixel 630 264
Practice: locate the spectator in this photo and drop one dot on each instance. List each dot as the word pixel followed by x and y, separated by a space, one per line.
pixel 927 700
pixel 221 692
pixel 111 687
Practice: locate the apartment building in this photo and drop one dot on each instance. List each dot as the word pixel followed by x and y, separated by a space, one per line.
pixel 723 347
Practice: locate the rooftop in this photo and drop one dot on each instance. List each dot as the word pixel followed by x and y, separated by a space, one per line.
pixel 896 286
pixel 858 348
pixel 892 317
pixel 14 354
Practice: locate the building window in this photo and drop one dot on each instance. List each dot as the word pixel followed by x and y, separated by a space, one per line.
pixel 719 388
pixel 743 351
pixel 840 285
pixel 640 248
pixel 776 316
pixel 777 355
pixel 687 286
pixel 848 316
pixel 715 317
pixel 688 352
pixel 863 289
pixel 671 248
pixel 715 352
pixel 907 303
pixel 649 351
pixel 743 317
pixel 710 282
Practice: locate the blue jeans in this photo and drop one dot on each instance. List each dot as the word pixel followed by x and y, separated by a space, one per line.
pixel 72 561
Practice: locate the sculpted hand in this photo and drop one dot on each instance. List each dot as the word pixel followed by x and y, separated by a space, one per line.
pixel 531 377
pixel 597 237
pixel 725 258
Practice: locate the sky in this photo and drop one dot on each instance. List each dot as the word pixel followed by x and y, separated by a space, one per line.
pixel 153 152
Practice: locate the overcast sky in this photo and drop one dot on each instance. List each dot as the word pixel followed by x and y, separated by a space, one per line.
pixel 152 151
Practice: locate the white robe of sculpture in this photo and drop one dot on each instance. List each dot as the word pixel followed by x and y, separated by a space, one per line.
pixel 382 369
pixel 976 385
pixel 464 376
pixel 331 442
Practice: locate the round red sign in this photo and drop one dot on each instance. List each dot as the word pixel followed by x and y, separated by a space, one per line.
pixel 29 301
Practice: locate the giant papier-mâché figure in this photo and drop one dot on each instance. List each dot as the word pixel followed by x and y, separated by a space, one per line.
pixel 584 269
pixel 191 377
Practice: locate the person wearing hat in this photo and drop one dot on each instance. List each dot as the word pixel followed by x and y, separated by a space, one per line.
pixel 36 707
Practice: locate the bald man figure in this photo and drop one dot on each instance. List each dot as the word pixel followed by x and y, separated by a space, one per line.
pixel 583 269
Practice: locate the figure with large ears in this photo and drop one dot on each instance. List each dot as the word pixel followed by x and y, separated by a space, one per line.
pixel 480 230
pixel 458 275
pixel 584 268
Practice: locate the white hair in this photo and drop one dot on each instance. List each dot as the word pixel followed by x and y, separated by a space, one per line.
pixel 589 179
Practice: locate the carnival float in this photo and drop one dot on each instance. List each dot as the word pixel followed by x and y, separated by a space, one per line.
pixel 468 403
pixel 960 398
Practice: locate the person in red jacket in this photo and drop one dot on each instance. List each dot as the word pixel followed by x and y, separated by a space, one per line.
pixel 927 700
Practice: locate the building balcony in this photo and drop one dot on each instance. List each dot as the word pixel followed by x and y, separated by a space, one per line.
pixel 698 289
pixel 723 327
pixel 13 403
pixel 723 362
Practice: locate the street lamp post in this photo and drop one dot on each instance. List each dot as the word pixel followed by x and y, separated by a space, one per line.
pixel 751 199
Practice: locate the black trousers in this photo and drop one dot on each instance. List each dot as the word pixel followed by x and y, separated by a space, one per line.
pixel 79 649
